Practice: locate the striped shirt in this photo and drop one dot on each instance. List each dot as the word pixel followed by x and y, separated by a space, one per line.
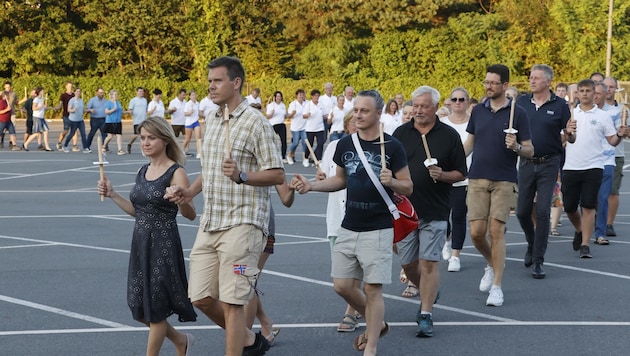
pixel 253 147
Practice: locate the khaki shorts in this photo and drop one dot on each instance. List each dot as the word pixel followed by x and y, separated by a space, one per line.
pixel 224 264
pixel 365 256
pixel 487 198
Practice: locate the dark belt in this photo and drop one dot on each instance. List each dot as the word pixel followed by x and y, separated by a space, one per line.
pixel 542 159
pixel 98 118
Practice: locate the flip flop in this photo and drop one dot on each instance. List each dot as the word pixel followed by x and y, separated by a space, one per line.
pixel 360 342
pixel 190 340
pixel 601 241
pixel 554 232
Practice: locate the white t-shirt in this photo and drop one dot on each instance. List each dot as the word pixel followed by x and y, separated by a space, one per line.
pixel 463 134
pixel 348 105
pixel 609 151
pixel 138 107
pixel 177 117
pixel 390 123
pixel 192 107
pixel 251 100
pixel 206 106
pixel 158 106
pixel 615 112
pixel 297 121
pixel 587 151
pixel 279 113
pixel 315 122
pixel 336 208
pixel 37 101
pixel 327 103
pixel 337 123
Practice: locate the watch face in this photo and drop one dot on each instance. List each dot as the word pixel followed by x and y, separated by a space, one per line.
pixel 243 176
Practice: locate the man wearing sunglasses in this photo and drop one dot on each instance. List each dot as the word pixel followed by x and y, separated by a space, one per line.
pixel 492 184
pixel 548 115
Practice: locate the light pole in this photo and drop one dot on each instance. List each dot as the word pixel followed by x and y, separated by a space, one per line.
pixel 609 38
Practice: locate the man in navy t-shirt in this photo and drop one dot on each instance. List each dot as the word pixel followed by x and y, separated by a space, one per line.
pixel 363 248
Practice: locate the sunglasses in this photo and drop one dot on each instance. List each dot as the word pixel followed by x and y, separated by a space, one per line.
pixel 461 100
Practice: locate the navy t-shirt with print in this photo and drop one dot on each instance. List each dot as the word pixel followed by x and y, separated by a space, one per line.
pixel 365 208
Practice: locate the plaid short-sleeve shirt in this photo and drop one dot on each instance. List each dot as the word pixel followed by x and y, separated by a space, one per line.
pixel 252 143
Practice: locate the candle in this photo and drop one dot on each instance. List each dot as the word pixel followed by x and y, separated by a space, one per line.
pixel 426 149
pixel 99 144
pixel 512 115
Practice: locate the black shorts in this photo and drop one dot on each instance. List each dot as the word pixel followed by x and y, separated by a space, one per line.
pixel 580 188
pixel 29 126
pixel 135 129
pixel 114 128
pixel 177 129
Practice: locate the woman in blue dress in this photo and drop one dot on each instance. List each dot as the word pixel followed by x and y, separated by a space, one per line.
pixel 157 286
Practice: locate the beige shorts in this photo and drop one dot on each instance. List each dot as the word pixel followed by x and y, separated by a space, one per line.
pixel 224 264
pixel 365 256
pixel 488 198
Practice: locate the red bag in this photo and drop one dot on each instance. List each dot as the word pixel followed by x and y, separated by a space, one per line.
pixel 408 220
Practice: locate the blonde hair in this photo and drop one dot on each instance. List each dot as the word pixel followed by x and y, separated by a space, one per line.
pixel 346 121
pixel 160 128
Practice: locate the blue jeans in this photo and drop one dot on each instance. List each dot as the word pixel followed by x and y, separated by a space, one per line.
pixel 74 126
pixel 536 180
pixel 296 137
pixel 602 201
pixel 336 135
pixel 96 124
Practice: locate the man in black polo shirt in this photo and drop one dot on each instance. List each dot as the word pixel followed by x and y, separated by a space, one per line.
pixel 421 251
pixel 548 116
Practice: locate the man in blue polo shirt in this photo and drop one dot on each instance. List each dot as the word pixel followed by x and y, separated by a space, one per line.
pixel 492 185
pixel 548 116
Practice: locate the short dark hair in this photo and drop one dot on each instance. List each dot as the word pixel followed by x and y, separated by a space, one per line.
pixel 8 82
pixel 157 91
pixel 233 65
pixel 315 91
pixel 562 85
pixel 500 69
pixel 182 90
pixel 374 94
pixel 276 93
pixel 299 91
pixel 586 83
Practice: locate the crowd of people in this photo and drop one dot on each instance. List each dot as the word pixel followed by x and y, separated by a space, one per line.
pixel 105 117
pixel 463 165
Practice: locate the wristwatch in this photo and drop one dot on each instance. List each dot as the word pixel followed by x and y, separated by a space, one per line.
pixel 242 178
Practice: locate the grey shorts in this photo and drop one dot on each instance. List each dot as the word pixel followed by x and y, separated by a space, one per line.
pixel 365 256
pixel 426 243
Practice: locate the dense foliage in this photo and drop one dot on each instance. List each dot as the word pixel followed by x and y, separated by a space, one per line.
pixel 393 45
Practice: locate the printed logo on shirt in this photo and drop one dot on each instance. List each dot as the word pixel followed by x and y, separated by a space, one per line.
pixel 551 112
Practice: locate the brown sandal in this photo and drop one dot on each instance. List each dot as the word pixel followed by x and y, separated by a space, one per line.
pixel 360 342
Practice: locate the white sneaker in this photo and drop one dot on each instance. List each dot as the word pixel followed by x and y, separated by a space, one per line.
pixel 453 264
pixel 285 161
pixel 305 163
pixel 447 251
pixel 487 279
pixel 198 156
pixel 290 160
pixel 495 299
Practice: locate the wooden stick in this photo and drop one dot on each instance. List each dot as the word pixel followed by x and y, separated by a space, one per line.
pixel 511 125
pixel 382 143
pixel 624 115
pixel 426 149
pixel 99 144
pixel 426 146
pixel 226 121
pixel 310 149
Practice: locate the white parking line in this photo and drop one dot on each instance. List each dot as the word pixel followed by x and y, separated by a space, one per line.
pixel 61 312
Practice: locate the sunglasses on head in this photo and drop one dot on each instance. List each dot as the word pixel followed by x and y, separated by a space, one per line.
pixel 461 100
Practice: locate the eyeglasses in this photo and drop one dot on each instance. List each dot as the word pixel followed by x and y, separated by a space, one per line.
pixel 461 100
pixel 486 83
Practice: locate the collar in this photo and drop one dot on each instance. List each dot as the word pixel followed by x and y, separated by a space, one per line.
pixel 486 104
pixel 237 112
pixel 595 108
pixel 552 97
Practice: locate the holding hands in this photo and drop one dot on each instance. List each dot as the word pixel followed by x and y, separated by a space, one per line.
pixel 300 183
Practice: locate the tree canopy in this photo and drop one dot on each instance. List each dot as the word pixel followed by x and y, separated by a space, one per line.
pixel 393 45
